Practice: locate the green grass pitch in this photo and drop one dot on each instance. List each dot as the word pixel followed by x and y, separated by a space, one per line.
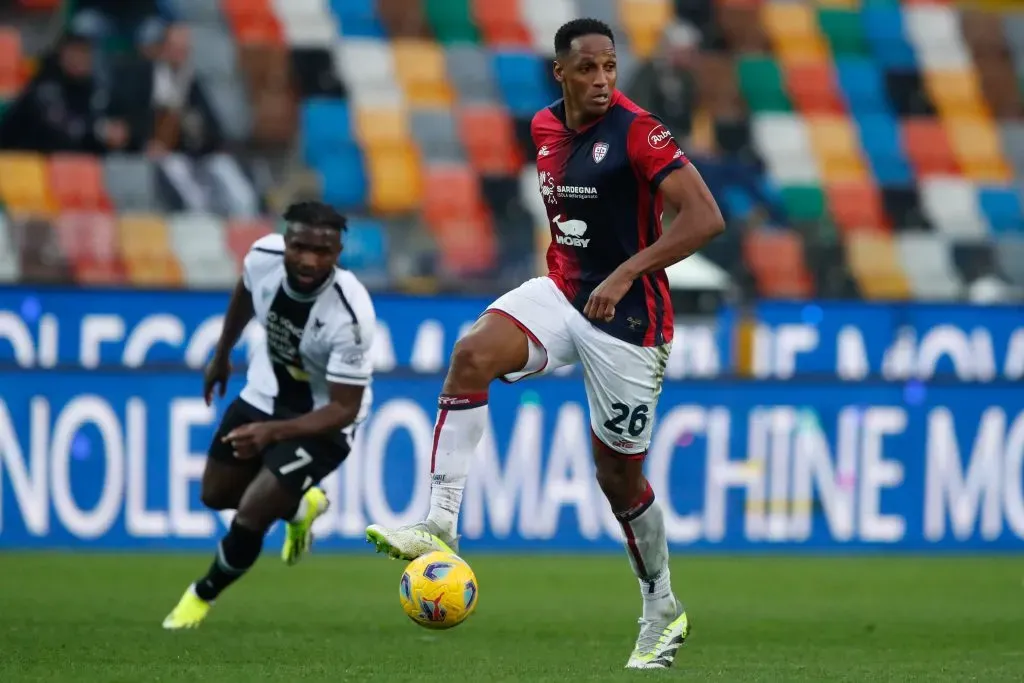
pixel 96 618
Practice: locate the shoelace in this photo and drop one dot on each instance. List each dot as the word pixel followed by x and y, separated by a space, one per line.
pixel 650 636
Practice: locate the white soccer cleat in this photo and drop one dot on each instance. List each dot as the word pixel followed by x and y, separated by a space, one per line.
pixel 410 542
pixel 659 640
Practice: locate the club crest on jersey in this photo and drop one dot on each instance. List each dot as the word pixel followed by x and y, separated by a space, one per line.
pixel 599 152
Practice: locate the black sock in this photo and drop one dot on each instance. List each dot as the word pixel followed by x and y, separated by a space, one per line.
pixel 237 552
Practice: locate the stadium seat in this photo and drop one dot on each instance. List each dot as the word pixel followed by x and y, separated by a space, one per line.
pixel 367 66
pixel 885 36
pixel 241 234
pixel 928 147
pixel 644 23
pixel 956 93
pixel 543 19
pixel 501 24
pixel 794 32
pixel 41 258
pixel 837 149
pixel 776 259
pixel 404 19
pixel 976 145
pixel 950 203
pixel 131 182
pixel 451 20
pixel 784 142
pixel 804 203
pixel 366 247
pixel 395 179
pixel 1001 207
pixel 11 74
pixel 200 243
pixel 10 261
pixel 450 191
pixel 761 84
pixel 90 240
pixel 812 88
pixel 880 138
pixel 856 206
pixel 928 263
pixel 844 30
pixel 523 82
pixel 358 18
pixel 875 265
pixel 381 127
pixel 434 131
pixel 344 178
pixel 490 140
pixel 24 184
pixel 77 183
pixel 306 23
pixel 467 246
pixel 1010 256
pixel 420 70
pixel 861 83
pixel 469 70
pixel 326 128
pixel 148 255
pixel 934 31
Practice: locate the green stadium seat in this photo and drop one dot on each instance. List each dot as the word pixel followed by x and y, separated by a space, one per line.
pixel 761 84
pixel 804 203
pixel 843 30
pixel 451 20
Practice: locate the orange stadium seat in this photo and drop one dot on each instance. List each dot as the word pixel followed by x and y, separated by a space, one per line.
pixel 11 72
pixel 91 241
pixel 253 21
pixel 956 93
pixel 450 192
pixel 976 145
pixel 644 22
pixel 500 23
pixel 490 140
pixel 856 206
pixel 382 127
pixel 794 32
pixel 812 87
pixel 837 148
pixel 928 147
pixel 875 264
pixel 776 258
pixel 242 233
pixel 76 181
pixel 467 245
pixel 24 186
pixel 395 179
pixel 422 72
pixel 148 253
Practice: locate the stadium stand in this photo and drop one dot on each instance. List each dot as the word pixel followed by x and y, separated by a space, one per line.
pixel 858 148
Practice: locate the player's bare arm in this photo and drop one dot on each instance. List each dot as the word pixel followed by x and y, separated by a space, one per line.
pixel 698 220
pixel 342 410
pixel 239 313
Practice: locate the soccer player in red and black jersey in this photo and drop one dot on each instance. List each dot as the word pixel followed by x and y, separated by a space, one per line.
pixel 606 168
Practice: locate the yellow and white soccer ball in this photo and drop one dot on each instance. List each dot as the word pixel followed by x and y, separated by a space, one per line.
pixel 438 590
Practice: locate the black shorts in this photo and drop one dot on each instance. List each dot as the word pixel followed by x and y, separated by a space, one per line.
pixel 298 463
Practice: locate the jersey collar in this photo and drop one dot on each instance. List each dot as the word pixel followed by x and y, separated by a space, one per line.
pixel 558 109
pixel 311 296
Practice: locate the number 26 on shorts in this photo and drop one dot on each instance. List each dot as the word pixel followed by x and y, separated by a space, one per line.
pixel 637 419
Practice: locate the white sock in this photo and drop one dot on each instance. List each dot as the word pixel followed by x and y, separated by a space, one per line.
pixel 647 549
pixel 461 419
pixel 300 512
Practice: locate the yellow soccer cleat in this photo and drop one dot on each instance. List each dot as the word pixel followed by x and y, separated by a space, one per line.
pixel 298 538
pixel 659 640
pixel 189 612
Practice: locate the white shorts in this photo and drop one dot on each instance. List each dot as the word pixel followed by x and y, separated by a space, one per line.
pixel 623 381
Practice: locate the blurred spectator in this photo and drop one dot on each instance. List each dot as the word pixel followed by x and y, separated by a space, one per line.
pixel 102 20
pixel 61 109
pixel 163 102
pixel 665 85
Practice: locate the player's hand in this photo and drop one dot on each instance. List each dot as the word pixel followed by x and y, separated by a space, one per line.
pixel 249 440
pixel 602 301
pixel 215 377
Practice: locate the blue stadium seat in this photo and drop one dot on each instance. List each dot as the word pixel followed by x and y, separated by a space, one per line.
pixel 883 29
pixel 861 82
pixel 366 248
pixel 523 82
pixel 344 178
pixel 1001 207
pixel 326 126
pixel 358 18
pixel 880 136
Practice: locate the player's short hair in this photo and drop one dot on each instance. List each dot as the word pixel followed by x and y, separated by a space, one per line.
pixel 571 30
pixel 317 215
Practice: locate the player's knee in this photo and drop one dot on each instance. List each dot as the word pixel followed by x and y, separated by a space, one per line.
pixel 472 364
pixel 615 486
pixel 217 499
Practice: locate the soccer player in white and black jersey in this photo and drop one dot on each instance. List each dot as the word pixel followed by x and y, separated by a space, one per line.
pixel 306 390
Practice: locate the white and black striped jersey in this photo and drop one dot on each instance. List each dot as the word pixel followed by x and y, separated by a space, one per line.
pixel 311 339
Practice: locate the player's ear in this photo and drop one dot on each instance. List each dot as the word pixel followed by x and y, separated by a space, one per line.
pixel 557 69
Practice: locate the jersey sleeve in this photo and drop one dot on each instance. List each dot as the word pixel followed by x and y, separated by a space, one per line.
pixel 653 151
pixel 265 253
pixel 351 357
